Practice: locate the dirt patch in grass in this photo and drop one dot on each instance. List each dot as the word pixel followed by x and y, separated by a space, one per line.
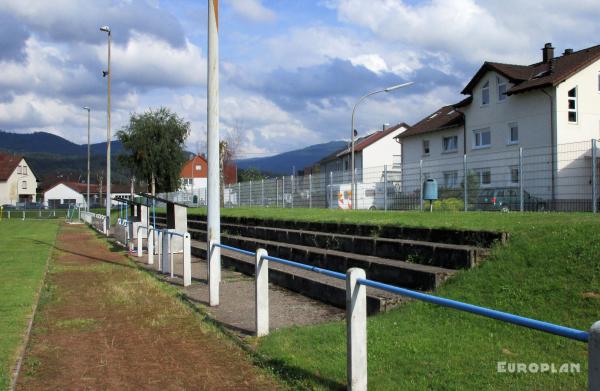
pixel 113 327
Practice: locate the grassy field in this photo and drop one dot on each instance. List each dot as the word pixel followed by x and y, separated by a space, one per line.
pixel 25 246
pixel 550 270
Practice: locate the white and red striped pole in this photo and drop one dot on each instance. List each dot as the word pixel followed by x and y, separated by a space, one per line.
pixel 214 213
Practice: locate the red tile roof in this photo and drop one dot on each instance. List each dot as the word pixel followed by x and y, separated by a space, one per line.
pixel 538 75
pixel 370 139
pixel 189 169
pixel 8 164
pixel 443 118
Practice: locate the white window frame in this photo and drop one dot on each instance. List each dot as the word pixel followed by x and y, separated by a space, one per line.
pixel 477 137
pixel 19 169
pixel 512 125
pixel 426 153
pixel 575 104
pixel 501 82
pixel 485 91
pixel 445 145
pixel 510 174
pixel 598 82
pixel 24 185
pixel 480 172
pixel 198 167
pixel 24 172
pixel 453 183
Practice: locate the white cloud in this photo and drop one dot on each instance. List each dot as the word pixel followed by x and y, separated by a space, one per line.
pixel 253 10
pixel 148 61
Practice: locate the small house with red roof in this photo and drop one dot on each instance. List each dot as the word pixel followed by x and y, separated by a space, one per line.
pixel 17 181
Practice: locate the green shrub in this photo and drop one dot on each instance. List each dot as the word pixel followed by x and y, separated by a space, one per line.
pixel 449 205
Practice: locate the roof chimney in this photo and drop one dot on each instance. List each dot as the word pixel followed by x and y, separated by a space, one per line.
pixel 567 52
pixel 547 52
pixel 385 126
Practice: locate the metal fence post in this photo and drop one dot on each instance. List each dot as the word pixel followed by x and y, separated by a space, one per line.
pixel 292 180
pixel 276 192
pixel 213 274
pixel 262 192
pixel 594 358
pixel 385 183
pixel 262 293
pixel 594 178
pixel 187 260
pixel 330 189
pixel 139 242
pixel 250 193
pixel 421 185
pixel 283 191
pixel 310 190
pixel 356 330
pixel 240 194
pixel 521 184
pixel 466 183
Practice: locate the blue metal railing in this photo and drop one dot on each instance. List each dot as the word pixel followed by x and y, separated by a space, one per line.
pixel 550 328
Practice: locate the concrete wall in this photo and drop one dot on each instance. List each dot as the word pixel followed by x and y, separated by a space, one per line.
pixel 12 189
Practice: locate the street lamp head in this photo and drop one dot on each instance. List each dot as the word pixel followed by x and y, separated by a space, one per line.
pixel 392 88
pixel 86 108
pixel 106 29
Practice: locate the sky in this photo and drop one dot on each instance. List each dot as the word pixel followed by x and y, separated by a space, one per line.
pixel 290 70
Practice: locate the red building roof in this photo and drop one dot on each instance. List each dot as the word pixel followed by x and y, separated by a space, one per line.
pixel 8 164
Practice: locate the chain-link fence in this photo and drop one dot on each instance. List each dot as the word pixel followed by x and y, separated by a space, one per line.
pixel 564 178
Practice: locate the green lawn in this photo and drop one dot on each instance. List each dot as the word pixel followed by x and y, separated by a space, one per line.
pixel 24 248
pixel 550 270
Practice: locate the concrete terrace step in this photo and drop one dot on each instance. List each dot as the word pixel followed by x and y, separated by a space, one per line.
pixel 474 238
pixel 450 256
pixel 317 286
pixel 400 273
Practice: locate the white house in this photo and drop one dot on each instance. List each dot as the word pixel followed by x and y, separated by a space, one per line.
pixel 69 193
pixel 550 109
pixel 17 181
pixel 371 154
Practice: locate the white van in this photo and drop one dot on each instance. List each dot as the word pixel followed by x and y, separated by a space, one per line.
pixel 369 196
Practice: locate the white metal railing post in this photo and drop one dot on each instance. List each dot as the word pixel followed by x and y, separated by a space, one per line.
pixel 594 358
pixel 356 330
pixel 594 178
pixel 385 185
pixel 171 263
pixel 521 182
pixel 151 246
pixel 310 190
pixel 421 185
pixel 213 274
pixel 159 255
pixel 262 293
pixel 139 242
pixel 187 260
pixel 466 183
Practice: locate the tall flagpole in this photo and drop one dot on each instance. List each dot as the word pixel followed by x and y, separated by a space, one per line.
pixel 214 213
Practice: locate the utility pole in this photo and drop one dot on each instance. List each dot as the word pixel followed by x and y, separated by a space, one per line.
pixel 214 213
pixel 107 74
pixel 88 160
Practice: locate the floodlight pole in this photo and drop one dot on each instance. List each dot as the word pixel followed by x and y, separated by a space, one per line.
pixel 388 89
pixel 214 213
pixel 106 29
pixel 88 159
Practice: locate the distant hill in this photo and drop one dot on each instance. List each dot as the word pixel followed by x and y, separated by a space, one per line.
pixel 51 155
pixel 284 163
pixel 44 142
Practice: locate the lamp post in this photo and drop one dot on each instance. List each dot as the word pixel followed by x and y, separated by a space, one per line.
pixel 388 89
pixel 107 74
pixel 88 160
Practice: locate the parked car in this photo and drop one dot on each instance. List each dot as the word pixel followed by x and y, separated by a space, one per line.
pixel 507 199
pixel 8 207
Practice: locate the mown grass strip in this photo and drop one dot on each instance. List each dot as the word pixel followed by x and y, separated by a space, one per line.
pixel 25 246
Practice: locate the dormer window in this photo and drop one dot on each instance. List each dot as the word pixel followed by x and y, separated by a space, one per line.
pixel 572 99
pixel 502 88
pixel 485 93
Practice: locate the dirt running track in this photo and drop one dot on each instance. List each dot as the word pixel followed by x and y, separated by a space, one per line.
pixel 103 324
